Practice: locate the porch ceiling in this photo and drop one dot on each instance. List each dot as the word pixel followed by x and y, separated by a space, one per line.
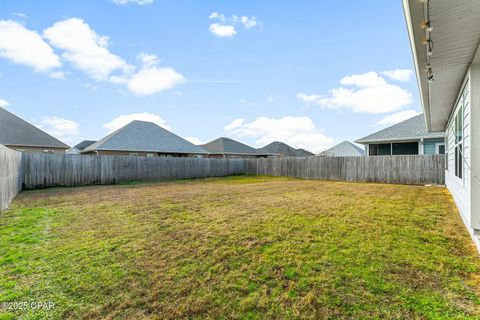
pixel 455 36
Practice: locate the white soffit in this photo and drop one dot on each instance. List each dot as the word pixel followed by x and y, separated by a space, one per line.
pixel 455 36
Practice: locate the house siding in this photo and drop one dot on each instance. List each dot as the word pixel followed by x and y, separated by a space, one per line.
pixel 430 146
pixel 145 154
pixel 461 188
pixel 37 149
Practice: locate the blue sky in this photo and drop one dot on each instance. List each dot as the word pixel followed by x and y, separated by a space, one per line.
pixel 310 73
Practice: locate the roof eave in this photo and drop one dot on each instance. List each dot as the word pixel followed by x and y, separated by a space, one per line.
pixel 148 151
pixel 440 136
pixel 420 65
pixel 36 146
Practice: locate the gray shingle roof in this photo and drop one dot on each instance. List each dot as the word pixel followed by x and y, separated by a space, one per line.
pixel 85 143
pixel 18 132
pixel 227 145
pixel 279 148
pixel 344 149
pixel 144 136
pixel 410 129
pixel 304 153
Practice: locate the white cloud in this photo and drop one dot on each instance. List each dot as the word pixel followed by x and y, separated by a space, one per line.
pixel 248 22
pixel 216 15
pixel 222 30
pixel 194 140
pixel 402 75
pixel 57 75
pixel 61 128
pixel 299 132
pixel 20 15
pixel 397 117
pixel 152 80
pixel 148 59
pixel 139 2
pixel 235 124
pixel 309 98
pixel 4 103
pixel 363 93
pixel 26 47
pixel 227 26
pixel 85 49
pixel 365 80
pixel 125 119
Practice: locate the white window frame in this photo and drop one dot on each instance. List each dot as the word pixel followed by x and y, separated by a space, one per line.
pixel 460 105
pixel 438 145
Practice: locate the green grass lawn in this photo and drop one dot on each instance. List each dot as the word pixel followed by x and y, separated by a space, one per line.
pixel 239 247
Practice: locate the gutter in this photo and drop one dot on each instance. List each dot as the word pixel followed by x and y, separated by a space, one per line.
pixel 401 139
pixel 424 96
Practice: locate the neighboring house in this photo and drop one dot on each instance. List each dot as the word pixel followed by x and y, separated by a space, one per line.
pixel 72 150
pixel 407 137
pixel 229 148
pixel 343 149
pixel 280 149
pixel 20 135
pixel 144 139
pixel 448 76
pixel 85 143
pixel 304 153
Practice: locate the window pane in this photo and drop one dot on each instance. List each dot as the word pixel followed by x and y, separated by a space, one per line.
pixel 405 148
pixel 379 149
pixel 441 149
pixel 460 161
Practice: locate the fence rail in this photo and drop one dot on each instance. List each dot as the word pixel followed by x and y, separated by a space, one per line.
pixel 59 170
pixel 412 169
pixel 10 175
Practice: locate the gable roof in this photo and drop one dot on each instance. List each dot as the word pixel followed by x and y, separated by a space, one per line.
pixel 227 145
pixel 304 153
pixel 144 136
pixel 344 149
pixel 410 129
pixel 15 131
pixel 85 143
pixel 279 148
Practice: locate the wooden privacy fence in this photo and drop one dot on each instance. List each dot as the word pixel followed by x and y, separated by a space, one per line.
pixel 412 169
pixel 10 175
pixel 43 170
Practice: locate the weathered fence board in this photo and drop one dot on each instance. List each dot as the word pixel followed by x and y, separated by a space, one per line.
pixel 10 175
pixel 57 170
pixel 411 169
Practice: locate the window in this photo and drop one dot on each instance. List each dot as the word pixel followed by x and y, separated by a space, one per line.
pixel 459 140
pixel 397 148
pixel 383 149
pixel 405 148
pixel 440 148
pixel 133 154
pixel 447 151
pixel 149 155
